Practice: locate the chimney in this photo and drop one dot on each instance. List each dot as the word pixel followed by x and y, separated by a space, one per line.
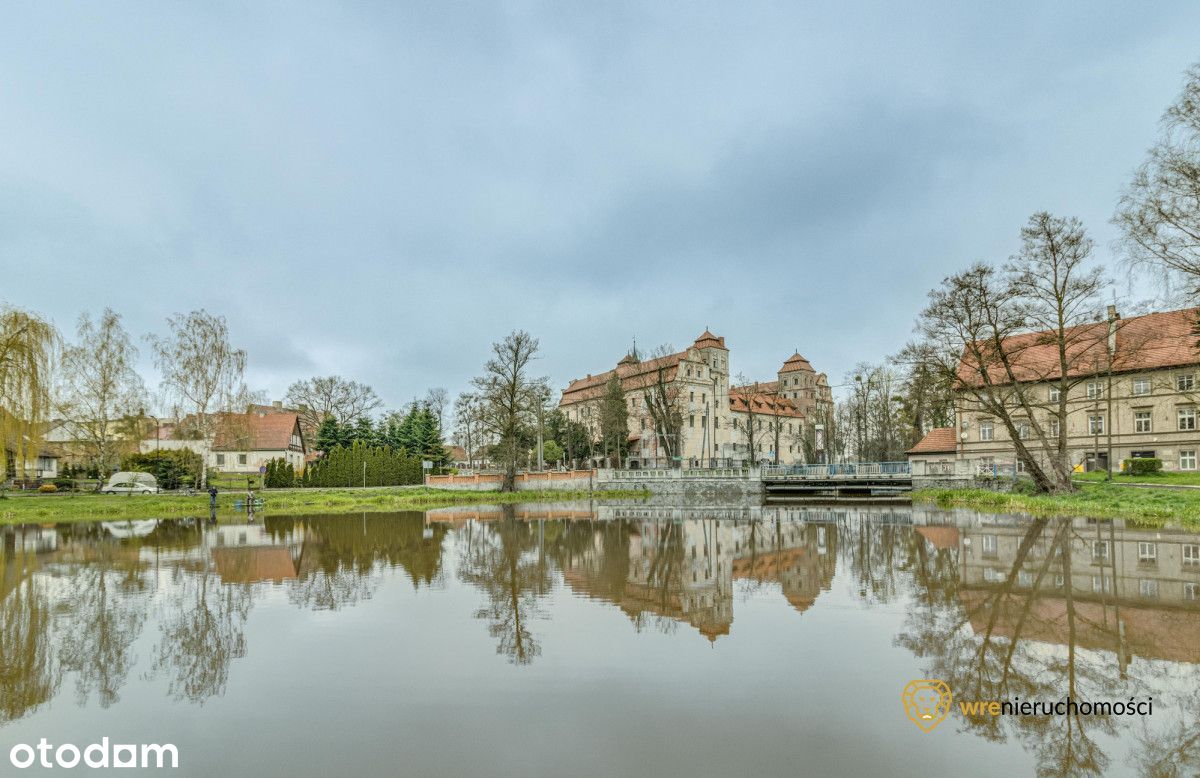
pixel 1113 318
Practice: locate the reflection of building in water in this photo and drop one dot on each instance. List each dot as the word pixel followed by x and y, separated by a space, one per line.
pixel 684 569
pixel 1119 583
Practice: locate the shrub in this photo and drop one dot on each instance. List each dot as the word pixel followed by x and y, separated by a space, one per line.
pixel 1143 466
pixel 64 484
pixel 170 467
pixel 47 488
pixel 1024 486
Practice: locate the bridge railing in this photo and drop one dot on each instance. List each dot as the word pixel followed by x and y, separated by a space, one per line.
pixel 839 470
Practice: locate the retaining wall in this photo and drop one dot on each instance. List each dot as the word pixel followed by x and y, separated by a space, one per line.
pixel 961 482
pixel 550 480
pixel 718 484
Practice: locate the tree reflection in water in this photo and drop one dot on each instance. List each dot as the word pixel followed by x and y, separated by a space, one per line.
pixel 997 607
pixel 505 559
pixel 29 676
pixel 1027 634
pixel 203 630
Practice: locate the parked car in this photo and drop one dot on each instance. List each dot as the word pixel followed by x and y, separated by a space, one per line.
pixel 131 483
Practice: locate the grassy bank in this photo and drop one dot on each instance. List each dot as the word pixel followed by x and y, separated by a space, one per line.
pixel 39 509
pixel 1099 501
pixel 1173 478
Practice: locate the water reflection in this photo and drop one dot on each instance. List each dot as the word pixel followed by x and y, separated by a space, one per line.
pixel 999 607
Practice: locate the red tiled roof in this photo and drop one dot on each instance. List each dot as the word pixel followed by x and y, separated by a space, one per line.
pixel 709 340
pixel 456 453
pixel 252 432
pixel 1150 342
pixel 941 440
pixel 796 362
pixel 762 398
pixel 633 375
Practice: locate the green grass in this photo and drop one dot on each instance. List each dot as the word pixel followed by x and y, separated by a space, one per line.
pixel 1174 478
pixel 1099 501
pixel 55 508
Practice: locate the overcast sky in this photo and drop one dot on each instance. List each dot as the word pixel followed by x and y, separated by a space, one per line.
pixel 383 189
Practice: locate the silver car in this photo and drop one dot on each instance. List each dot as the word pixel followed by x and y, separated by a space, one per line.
pixel 131 483
pixel 129 487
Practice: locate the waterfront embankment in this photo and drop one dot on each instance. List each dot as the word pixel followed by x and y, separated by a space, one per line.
pixel 20 509
pixel 1098 501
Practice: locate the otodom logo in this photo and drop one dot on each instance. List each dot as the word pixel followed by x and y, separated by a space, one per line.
pixel 926 702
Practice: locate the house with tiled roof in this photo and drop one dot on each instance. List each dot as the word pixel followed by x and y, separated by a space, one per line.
pixel 1134 389
pixel 935 453
pixel 246 442
pixel 761 422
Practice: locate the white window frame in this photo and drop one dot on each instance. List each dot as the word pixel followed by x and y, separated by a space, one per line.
pixel 1187 459
pixel 1055 393
pixel 1095 390
pixel 1143 416
pixel 1185 382
pixel 1141 387
pixel 1191 555
pixel 1053 429
pixel 987 430
pixel 1100 549
pixel 1095 423
pixel 1148 587
pixel 1147 551
pixel 1186 418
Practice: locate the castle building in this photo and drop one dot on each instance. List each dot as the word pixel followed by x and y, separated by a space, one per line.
pixel 764 422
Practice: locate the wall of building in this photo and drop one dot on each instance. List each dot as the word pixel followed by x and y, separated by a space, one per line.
pixel 1164 402
pixel 254 460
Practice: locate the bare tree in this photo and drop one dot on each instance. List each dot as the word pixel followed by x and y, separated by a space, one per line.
pixel 437 399
pixel 662 395
pixel 100 388
pixel 753 394
pixel 201 369
pixel 320 397
pixel 1003 326
pixel 926 396
pixel 1159 212
pixel 467 418
pixel 508 396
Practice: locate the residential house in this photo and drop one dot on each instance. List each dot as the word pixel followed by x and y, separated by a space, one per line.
pixel 246 442
pixel 935 453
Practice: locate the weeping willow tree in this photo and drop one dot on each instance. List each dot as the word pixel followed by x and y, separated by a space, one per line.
pixel 26 351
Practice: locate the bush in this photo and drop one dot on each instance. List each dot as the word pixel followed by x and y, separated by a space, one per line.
pixel 64 484
pixel 169 468
pixel 343 466
pixel 1024 486
pixel 47 488
pixel 280 475
pixel 1143 466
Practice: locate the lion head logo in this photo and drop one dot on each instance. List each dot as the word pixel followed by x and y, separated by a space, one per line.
pixel 926 702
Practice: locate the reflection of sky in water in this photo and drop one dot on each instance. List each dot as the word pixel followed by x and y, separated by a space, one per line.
pixel 634 641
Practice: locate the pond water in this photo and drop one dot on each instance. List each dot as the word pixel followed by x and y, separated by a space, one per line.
pixel 586 639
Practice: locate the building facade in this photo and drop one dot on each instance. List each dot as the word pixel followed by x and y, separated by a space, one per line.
pixel 759 422
pixel 1137 396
